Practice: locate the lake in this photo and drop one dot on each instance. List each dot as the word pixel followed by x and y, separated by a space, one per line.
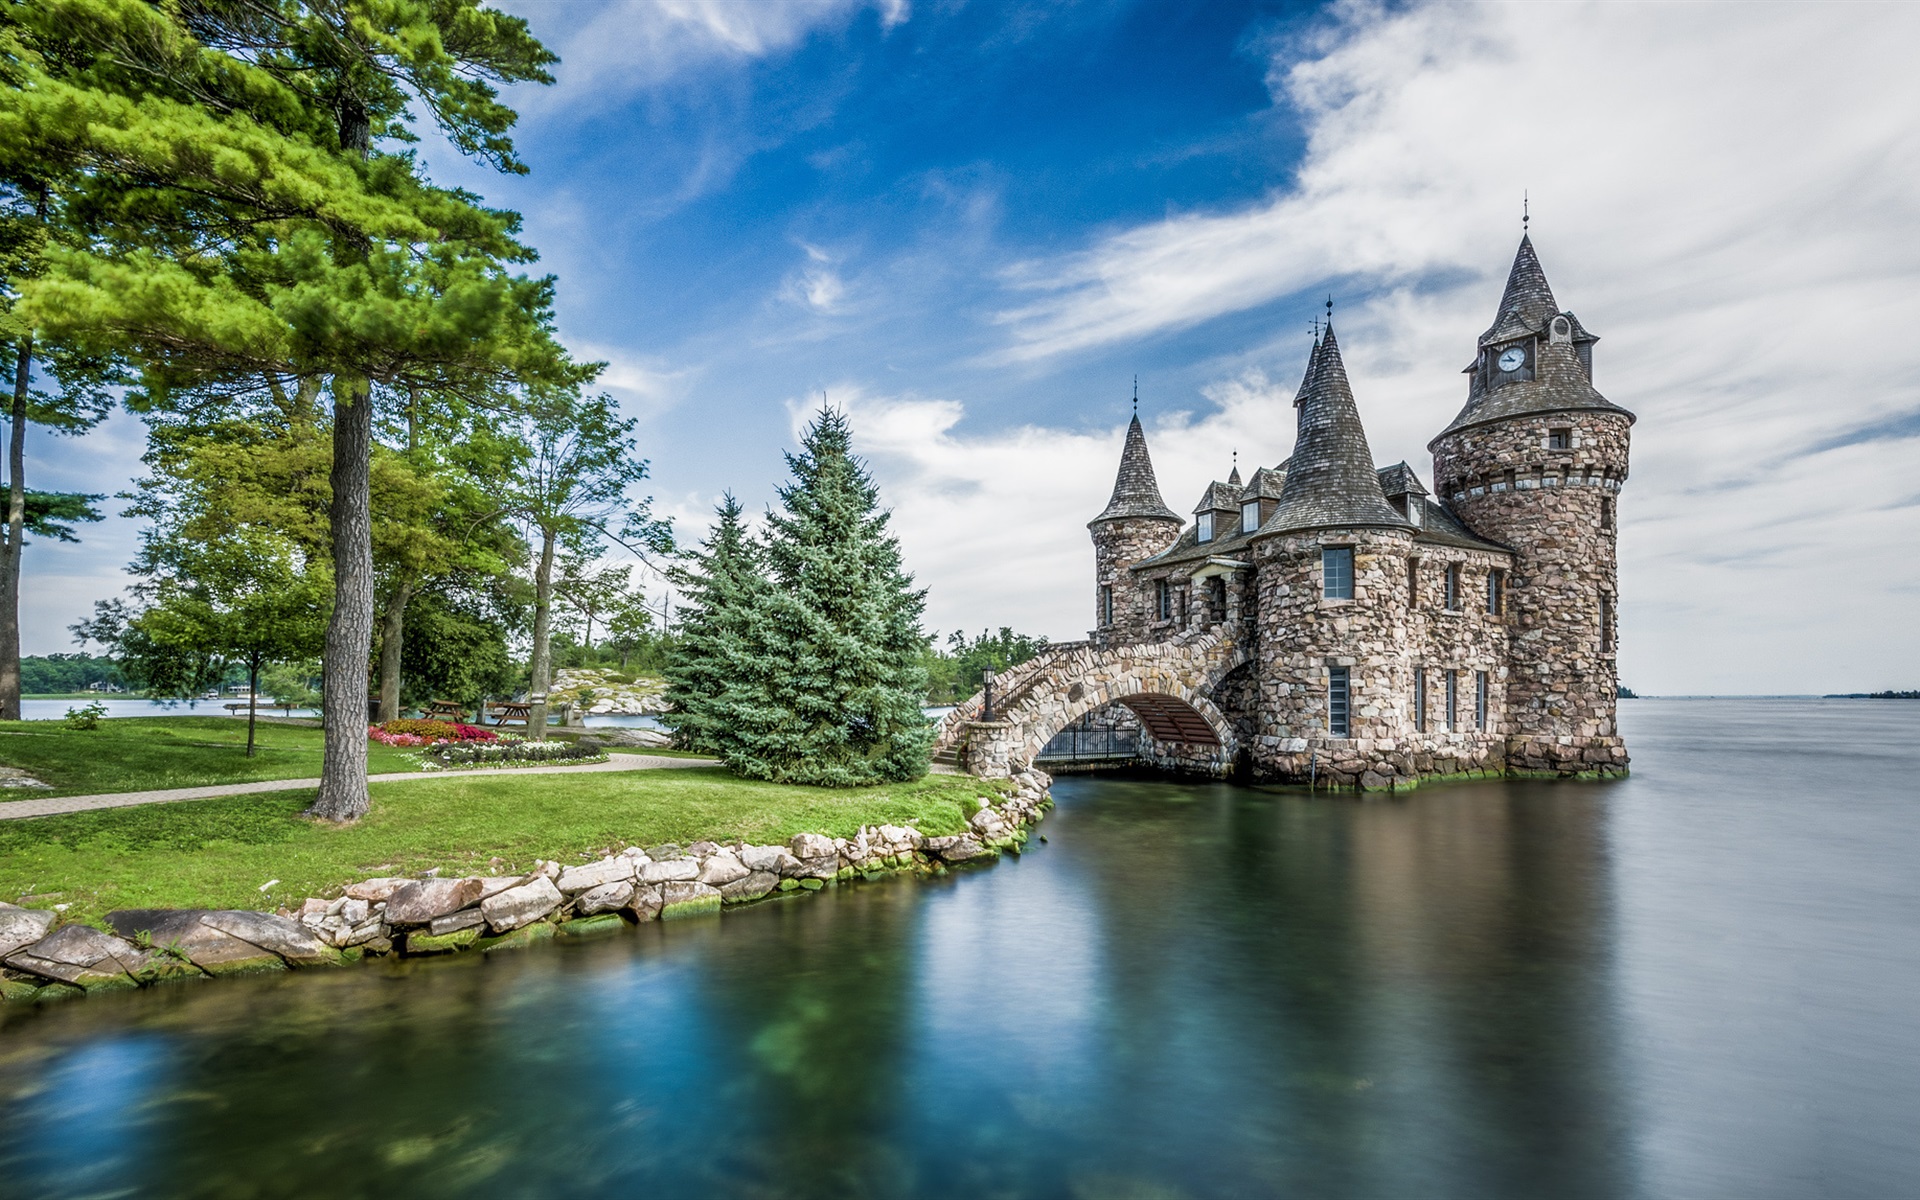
pixel 1702 981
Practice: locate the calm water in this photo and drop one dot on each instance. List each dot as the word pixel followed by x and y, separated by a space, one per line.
pixel 1702 981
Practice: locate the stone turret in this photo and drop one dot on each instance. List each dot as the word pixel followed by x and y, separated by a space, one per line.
pixel 1330 561
pixel 1536 461
pixel 1136 524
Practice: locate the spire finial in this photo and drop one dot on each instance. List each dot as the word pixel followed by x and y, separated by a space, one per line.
pixel 1236 458
pixel 1329 310
pixel 1525 215
pixel 1136 395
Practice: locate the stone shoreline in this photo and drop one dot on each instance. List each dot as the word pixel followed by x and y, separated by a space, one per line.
pixel 431 915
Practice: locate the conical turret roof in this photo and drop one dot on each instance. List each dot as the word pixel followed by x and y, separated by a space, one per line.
pixel 1562 379
pixel 1528 304
pixel 1330 480
pixel 1135 491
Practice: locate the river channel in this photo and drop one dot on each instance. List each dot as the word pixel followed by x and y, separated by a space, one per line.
pixel 1702 981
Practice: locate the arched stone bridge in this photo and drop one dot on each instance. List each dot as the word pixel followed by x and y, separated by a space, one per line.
pixel 1170 685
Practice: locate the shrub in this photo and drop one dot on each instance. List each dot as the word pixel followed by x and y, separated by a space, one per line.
pixel 423 729
pixel 508 751
pixel 86 718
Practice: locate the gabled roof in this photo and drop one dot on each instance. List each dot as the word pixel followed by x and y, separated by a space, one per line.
pixel 1330 478
pixel 1219 497
pixel 1135 491
pixel 1400 480
pixel 1266 484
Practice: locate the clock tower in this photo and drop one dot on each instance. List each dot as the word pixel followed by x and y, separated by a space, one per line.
pixel 1536 461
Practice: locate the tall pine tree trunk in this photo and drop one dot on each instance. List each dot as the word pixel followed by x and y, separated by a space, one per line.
pixel 541 668
pixel 343 706
pixel 16 531
pixel 392 629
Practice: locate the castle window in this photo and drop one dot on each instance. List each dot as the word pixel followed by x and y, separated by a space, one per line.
pixel 1606 622
pixel 1606 512
pixel 1249 516
pixel 1480 701
pixel 1106 605
pixel 1183 607
pixel 1419 699
pixel 1163 599
pixel 1413 583
pixel 1559 439
pixel 1336 572
pixel 1496 592
pixel 1453 700
pixel 1453 587
pixel 1415 513
pixel 1338 697
pixel 1205 527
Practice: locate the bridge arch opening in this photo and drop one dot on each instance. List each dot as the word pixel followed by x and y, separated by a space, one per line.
pixel 1148 728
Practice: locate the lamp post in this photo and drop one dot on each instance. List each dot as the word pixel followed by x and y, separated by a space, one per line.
pixel 986 678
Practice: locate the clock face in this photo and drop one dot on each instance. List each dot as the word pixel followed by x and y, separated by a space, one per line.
pixel 1512 359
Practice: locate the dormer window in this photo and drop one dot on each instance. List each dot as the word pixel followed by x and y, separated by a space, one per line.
pixel 1249 516
pixel 1204 528
pixel 1413 509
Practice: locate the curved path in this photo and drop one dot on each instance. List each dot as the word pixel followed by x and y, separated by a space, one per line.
pixel 54 805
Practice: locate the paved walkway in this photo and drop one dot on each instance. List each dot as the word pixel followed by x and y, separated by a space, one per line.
pixel 52 805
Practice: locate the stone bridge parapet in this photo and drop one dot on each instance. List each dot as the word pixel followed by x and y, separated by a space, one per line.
pixel 1168 684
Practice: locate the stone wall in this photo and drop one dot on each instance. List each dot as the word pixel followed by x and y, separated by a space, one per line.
pixel 1555 507
pixel 430 915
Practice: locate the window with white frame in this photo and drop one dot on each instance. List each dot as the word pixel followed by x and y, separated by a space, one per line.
pixel 1162 600
pixel 1249 516
pixel 1339 698
pixel 1204 528
pixel 1453 587
pixel 1336 572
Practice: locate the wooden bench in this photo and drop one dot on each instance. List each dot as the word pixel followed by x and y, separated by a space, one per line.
pixel 241 706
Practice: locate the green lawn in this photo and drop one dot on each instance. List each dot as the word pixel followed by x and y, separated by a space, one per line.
pixel 217 853
pixel 132 754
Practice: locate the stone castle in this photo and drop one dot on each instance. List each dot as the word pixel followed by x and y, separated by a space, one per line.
pixel 1333 621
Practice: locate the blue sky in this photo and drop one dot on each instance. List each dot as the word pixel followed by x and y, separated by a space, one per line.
pixel 973 224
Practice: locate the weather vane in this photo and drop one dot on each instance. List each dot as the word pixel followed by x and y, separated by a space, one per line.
pixel 1525 215
pixel 1136 395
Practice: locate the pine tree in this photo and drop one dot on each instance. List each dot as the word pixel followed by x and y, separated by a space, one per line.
pixel 833 682
pixel 719 589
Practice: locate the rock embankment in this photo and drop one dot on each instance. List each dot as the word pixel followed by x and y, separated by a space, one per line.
pixel 602 691
pixel 432 915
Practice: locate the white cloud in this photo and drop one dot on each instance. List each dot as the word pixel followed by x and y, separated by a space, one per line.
pixel 818 285
pixel 630 45
pixel 1725 194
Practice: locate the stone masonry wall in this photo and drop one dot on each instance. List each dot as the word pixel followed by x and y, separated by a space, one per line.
pixel 1552 507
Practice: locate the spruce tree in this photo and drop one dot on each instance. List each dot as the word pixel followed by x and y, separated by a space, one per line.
pixel 833 684
pixel 719 590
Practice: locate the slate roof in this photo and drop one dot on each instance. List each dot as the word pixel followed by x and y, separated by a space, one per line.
pixel 1400 480
pixel 1219 497
pixel 1560 382
pixel 1437 525
pixel 1266 484
pixel 1330 478
pixel 1135 491
pixel 1188 548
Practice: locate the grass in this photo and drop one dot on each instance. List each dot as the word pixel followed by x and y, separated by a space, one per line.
pixel 218 853
pixel 135 754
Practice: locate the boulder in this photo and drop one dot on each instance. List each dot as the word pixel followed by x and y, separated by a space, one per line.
pixel 775 860
pixel 422 941
pixel 606 898
pixel 721 869
pixel 824 867
pixel 82 956
pixel 684 898
pixel 702 849
pixel 575 880
pixel 375 890
pixel 281 935
pixel 670 871
pixel 647 901
pixel 493 885
pixel 180 933
pixel 521 905
pixel 23 927
pixel 956 849
pixel 750 886
pixel 466 918
pixel 895 836
pixel 811 845
pixel 419 902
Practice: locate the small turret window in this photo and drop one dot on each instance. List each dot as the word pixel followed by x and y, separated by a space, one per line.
pixel 1419 699
pixel 1163 600
pixel 1336 572
pixel 1559 439
pixel 1480 701
pixel 1339 700
pixel 1249 516
pixel 1606 512
pixel 1205 527
pixel 1606 622
pixel 1453 700
pixel 1106 605
pixel 1453 587
pixel 1496 592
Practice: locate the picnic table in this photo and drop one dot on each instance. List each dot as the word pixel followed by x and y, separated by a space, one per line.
pixel 240 706
pixel 449 710
pixel 509 711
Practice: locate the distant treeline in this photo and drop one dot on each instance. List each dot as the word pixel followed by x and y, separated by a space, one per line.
pixel 52 674
pixel 1872 696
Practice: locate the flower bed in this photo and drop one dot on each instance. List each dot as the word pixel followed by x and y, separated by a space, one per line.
pixel 412 733
pixel 510 751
